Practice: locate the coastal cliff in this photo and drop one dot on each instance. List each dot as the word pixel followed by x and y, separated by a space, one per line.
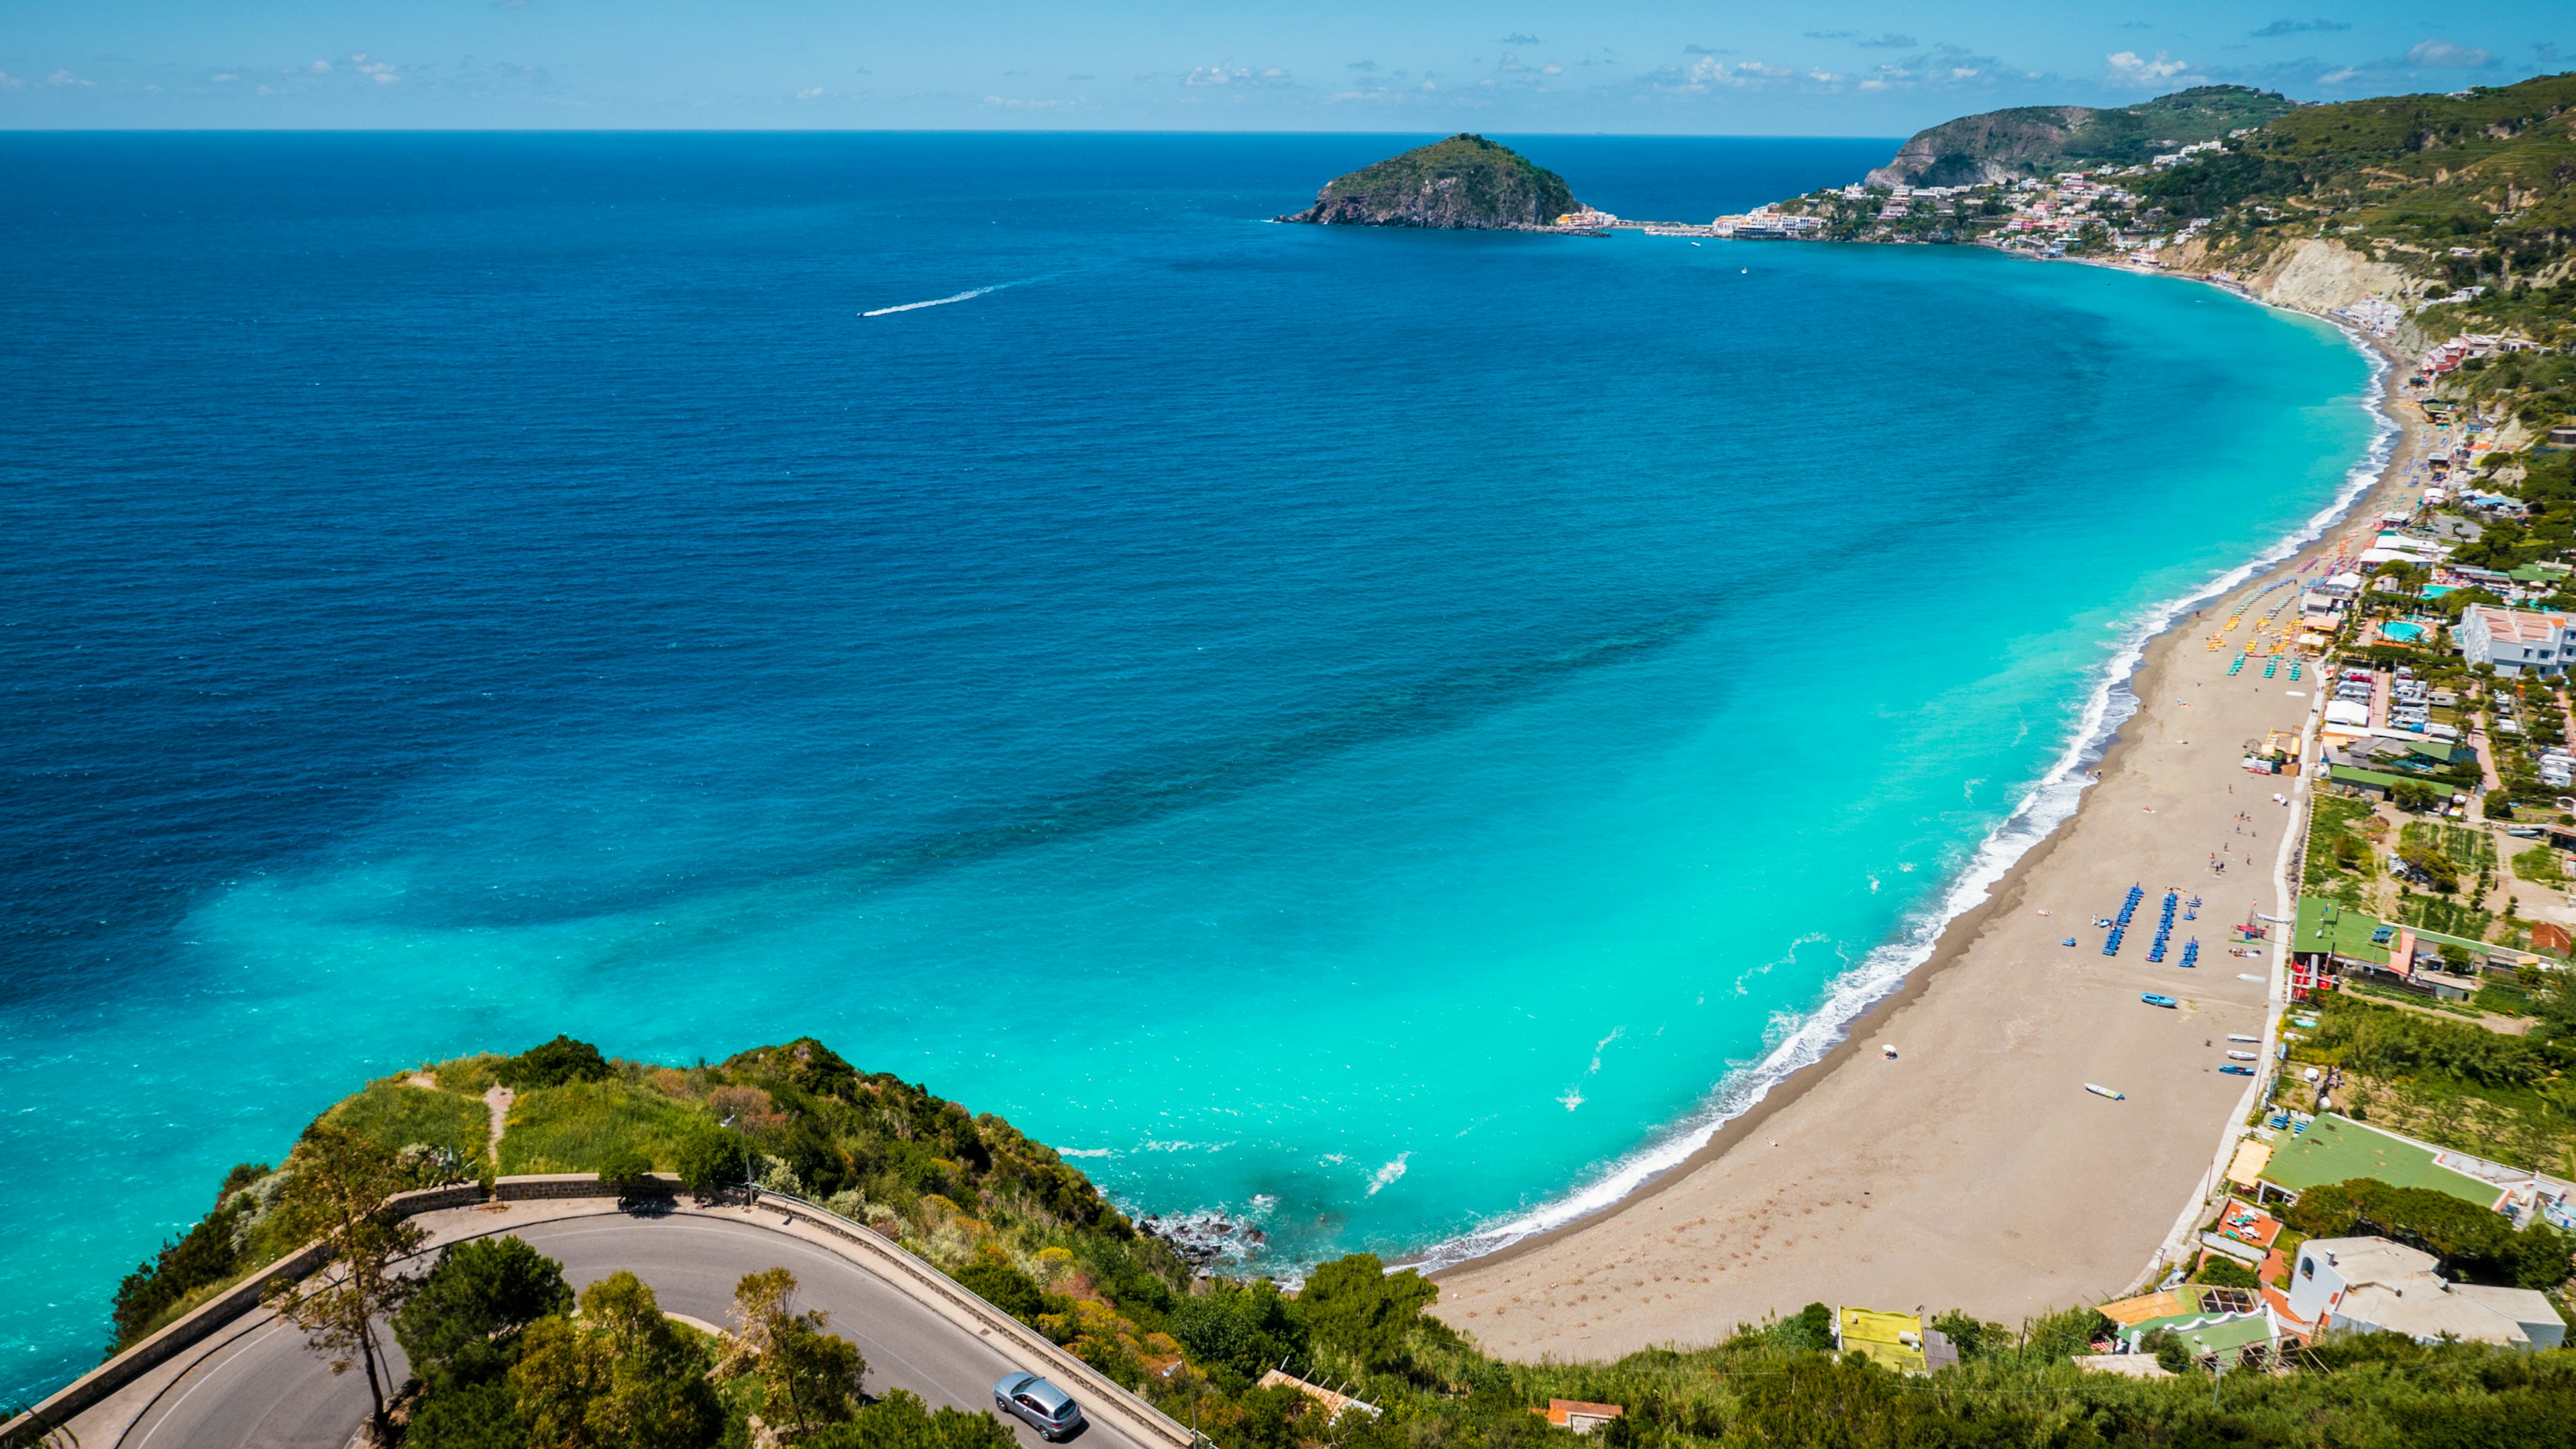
pixel 1465 183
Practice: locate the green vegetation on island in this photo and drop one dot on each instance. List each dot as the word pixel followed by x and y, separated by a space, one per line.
pixel 1463 183
pixel 2035 141
pixel 504 1362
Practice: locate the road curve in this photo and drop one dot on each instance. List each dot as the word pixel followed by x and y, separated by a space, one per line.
pixel 261 1386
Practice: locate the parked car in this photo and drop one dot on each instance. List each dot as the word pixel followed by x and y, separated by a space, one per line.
pixel 1040 1405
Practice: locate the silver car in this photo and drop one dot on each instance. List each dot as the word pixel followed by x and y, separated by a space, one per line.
pixel 1040 1405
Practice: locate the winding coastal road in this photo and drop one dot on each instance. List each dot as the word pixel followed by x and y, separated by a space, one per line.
pixel 259 1385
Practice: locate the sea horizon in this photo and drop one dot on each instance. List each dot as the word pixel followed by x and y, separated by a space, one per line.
pixel 1462 809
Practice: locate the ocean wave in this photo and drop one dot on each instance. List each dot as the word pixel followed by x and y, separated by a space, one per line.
pixel 1795 1042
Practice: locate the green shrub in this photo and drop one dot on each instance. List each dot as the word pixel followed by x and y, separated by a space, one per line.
pixel 206 1255
pixel 1355 1306
pixel 2224 1272
pixel 901 1420
pixel 1245 1327
pixel 553 1064
pixel 709 1158
pixel 463 1324
pixel 1811 1328
pixel 993 1279
pixel 625 1167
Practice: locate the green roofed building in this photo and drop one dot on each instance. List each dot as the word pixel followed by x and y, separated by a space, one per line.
pixel 2224 1341
pixel 2376 782
pixel 2325 929
pixel 2338 1149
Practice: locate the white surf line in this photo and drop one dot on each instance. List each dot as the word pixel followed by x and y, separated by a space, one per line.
pixel 965 296
pixel 2047 805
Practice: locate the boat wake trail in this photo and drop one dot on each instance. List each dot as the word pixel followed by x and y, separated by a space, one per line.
pixel 944 301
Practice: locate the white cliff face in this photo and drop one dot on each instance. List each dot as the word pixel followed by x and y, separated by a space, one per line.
pixel 2319 276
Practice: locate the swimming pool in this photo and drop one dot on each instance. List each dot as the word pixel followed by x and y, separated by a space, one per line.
pixel 2402 632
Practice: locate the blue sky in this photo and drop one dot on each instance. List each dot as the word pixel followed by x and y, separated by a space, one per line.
pixel 1612 65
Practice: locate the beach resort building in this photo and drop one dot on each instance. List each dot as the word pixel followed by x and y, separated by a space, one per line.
pixel 1895 1341
pixel 2221 1327
pixel 2371 1285
pixel 2513 640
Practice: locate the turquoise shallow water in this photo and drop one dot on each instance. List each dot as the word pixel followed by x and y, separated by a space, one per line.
pixel 1375 734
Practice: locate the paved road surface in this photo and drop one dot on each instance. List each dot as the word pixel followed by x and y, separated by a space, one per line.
pixel 265 1388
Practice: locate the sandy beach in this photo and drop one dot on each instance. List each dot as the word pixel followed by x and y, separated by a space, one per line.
pixel 1974 1170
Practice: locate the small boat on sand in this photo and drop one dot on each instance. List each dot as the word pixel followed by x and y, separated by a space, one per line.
pixel 2241 1036
pixel 2098 1090
pixel 2241 1056
pixel 2158 998
pixel 2236 1071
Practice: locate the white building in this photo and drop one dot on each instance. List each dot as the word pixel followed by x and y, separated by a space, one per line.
pixel 2371 1285
pixel 2513 640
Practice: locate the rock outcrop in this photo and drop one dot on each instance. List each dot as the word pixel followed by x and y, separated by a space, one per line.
pixel 1465 183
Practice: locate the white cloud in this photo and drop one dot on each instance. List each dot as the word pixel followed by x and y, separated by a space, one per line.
pixel 320 67
pixel 2128 68
pixel 227 76
pixel 2443 55
pixel 66 78
pixel 1235 75
pixel 1825 76
pixel 1551 69
pixel 816 93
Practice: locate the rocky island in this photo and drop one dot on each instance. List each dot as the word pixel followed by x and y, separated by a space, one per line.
pixel 1465 183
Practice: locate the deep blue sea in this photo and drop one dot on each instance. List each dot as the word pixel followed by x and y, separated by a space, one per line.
pixel 1385 735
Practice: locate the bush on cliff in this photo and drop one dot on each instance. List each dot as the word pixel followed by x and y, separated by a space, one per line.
pixel 219 1248
pixel 553 1064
